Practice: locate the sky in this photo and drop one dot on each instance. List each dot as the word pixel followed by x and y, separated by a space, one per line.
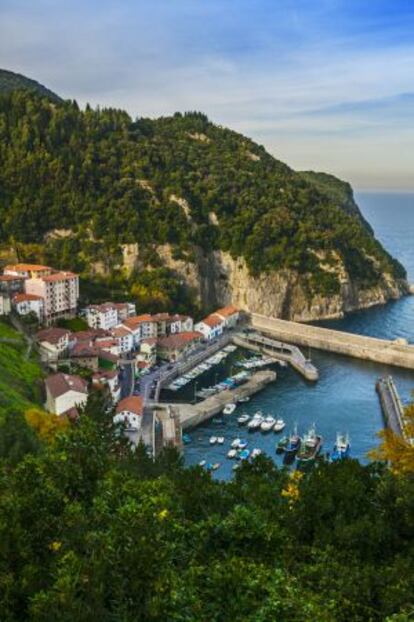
pixel 323 85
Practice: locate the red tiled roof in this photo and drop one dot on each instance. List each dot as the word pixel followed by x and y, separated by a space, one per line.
pixel 82 349
pixel 12 277
pixel 59 276
pixel 27 267
pixel 59 384
pixel 108 374
pixel 133 404
pixel 52 335
pixel 120 331
pixel 212 321
pixel 25 297
pixel 136 320
pixel 180 340
pixel 227 311
pixel 159 317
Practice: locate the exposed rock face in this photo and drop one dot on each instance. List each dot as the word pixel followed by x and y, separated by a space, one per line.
pixel 219 279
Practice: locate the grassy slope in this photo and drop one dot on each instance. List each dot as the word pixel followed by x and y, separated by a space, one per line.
pixel 19 378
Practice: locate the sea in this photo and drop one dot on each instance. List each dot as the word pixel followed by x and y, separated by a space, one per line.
pixel 344 399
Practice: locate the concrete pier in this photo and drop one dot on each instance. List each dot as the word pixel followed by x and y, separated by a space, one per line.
pixel 391 405
pixel 358 346
pixel 193 414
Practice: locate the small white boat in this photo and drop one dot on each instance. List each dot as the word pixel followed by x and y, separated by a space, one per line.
pixel 232 453
pixel 267 424
pixel 255 423
pixel 256 452
pixel 243 419
pixel 235 467
pixel 243 400
pixel 215 466
pixel 236 443
pixel 220 440
pixel 202 463
pixel 213 440
pixel 229 409
pixel 279 425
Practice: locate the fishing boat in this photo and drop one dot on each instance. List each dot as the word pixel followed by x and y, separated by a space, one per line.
pixel 342 448
pixel 213 440
pixel 292 447
pixel 243 400
pixel 220 440
pixel 232 453
pixel 280 446
pixel 279 425
pixel 202 463
pixel 310 447
pixel 255 422
pixel 256 452
pixel 244 454
pixel 267 424
pixel 229 409
pixel 243 419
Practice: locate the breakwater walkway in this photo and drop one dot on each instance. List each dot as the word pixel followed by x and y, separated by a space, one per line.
pixel 350 344
pixel 191 415
pixel 279 351
pixel 391 405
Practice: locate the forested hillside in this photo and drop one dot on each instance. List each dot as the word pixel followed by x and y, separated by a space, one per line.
pixel 106 180
pixel 10 81
pixel 90 531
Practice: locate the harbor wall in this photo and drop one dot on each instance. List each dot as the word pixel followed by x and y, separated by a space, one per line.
pixel 358 346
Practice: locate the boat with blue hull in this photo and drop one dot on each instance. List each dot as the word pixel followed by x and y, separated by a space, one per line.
pixel 292 447
pixel 342 448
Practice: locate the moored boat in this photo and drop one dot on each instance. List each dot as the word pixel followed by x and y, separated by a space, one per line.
pixel 229 409
pixel 243 444
pixel 256 452
pixel 342 448
pixel 235 443
pixel 279 425
pixel 280 445
pixel 310 448
pixel 267 424
pixel 292 447
pixel 220 440
pixel 202 463
pixel 243 419
pixel 243 400
pixel 232 453
pixel 213 440
pixel 244 454
pixel 255 422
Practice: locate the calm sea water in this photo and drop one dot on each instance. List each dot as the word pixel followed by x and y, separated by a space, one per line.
pixel 344 399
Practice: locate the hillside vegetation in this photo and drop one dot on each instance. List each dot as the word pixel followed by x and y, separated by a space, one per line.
pixel 90 531
pixel 105 180
pixel 19 377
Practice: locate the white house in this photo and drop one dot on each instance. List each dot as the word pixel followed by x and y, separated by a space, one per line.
pixel 129 413
pixel 211 327
pixel 65 393
pixel 180 324
pixel 108 378
pixel 124 337
pixel 29 303
pixel 141 327
pixel 103 316
pixel 53 343
pixel 229 315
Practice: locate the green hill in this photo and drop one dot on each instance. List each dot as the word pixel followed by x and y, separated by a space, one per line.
pixel 10 81
pixel 108 180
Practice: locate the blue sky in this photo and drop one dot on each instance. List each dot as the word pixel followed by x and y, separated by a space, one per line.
pixel 324 85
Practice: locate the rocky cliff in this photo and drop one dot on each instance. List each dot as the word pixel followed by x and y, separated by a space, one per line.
pixel 218 279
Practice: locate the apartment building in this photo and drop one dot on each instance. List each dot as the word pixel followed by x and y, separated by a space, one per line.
pixel 60 292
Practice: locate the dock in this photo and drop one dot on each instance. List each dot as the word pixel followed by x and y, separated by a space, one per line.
pixel 398 353
pixel 392 408
pixel 191 415
pixel 278 350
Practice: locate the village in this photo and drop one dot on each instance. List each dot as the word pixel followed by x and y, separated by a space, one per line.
pixel 122 353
